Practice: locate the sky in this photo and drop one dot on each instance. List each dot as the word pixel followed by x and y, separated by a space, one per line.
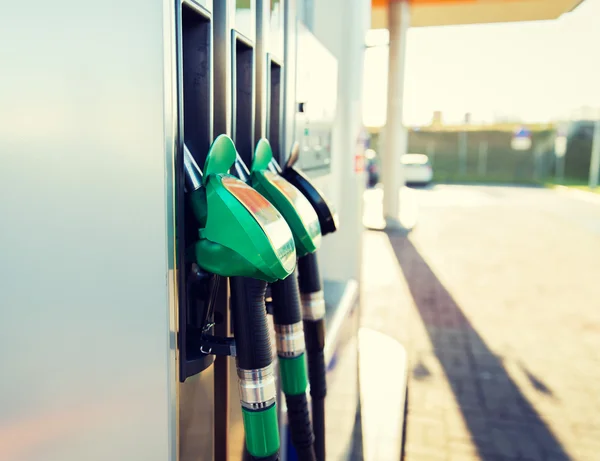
pixel 533 71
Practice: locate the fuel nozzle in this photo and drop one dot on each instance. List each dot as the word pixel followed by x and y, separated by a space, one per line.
pixel 244 237
pixel 328 217
pixel 241 233
pixel 313 300
pixel 291 203
pixel 266 178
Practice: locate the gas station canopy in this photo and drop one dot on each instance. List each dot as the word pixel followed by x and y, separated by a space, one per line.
pixel 455 12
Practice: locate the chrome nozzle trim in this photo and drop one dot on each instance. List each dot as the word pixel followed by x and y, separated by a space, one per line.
pixel 313 305
pixel 290 340
pixel 257 387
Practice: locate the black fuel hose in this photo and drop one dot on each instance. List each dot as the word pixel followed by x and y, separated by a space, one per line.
pixel 287 316
pixel 254 367
pixel 313 307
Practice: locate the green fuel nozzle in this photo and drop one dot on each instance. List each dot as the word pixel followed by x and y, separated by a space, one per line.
pixel 289 201
pixel 241 233
pixel 313 300
pixel 265 177
pixel 242 236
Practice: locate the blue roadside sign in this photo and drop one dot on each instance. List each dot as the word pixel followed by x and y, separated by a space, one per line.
pixel 522 132
pixel 521 139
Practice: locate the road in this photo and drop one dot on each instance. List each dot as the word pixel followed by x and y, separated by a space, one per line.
pixel 496 296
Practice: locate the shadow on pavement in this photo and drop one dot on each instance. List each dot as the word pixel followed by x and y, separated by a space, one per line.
pixel 420 371
pixel 536 382
pixel 501 421
pixel 356 448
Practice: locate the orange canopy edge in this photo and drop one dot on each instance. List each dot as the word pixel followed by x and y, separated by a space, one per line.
pixel 454 12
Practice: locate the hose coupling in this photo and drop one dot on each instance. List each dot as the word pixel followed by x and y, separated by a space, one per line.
pixel 290 340
pixel 313 305
pixel 257 387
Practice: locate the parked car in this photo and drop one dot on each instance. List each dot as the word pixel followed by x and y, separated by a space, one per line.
pixel 417 169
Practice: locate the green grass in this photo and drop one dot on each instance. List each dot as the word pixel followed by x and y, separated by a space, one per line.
pixel 578 184
pixel 455 178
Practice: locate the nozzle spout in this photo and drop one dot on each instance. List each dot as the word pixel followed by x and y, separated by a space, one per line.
pixel 294 155
pixel 193 174
pixel 241 170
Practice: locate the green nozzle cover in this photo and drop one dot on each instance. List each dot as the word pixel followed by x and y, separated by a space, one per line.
pixel 221 157
pixel 294 377
pixel 262 432
pixel 243 234
pixel 295 208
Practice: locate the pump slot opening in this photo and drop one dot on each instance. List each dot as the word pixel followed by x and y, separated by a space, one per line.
pixel 195 129
pixel 274 109
pixel 196 57
pixel 243 97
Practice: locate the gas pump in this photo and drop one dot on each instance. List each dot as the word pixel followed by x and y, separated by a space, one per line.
pixel 242 236
pixel 231 237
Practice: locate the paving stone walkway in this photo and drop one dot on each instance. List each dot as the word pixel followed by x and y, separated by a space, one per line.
pixel 496 297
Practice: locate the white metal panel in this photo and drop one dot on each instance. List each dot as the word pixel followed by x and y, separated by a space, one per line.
pixel 86 346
